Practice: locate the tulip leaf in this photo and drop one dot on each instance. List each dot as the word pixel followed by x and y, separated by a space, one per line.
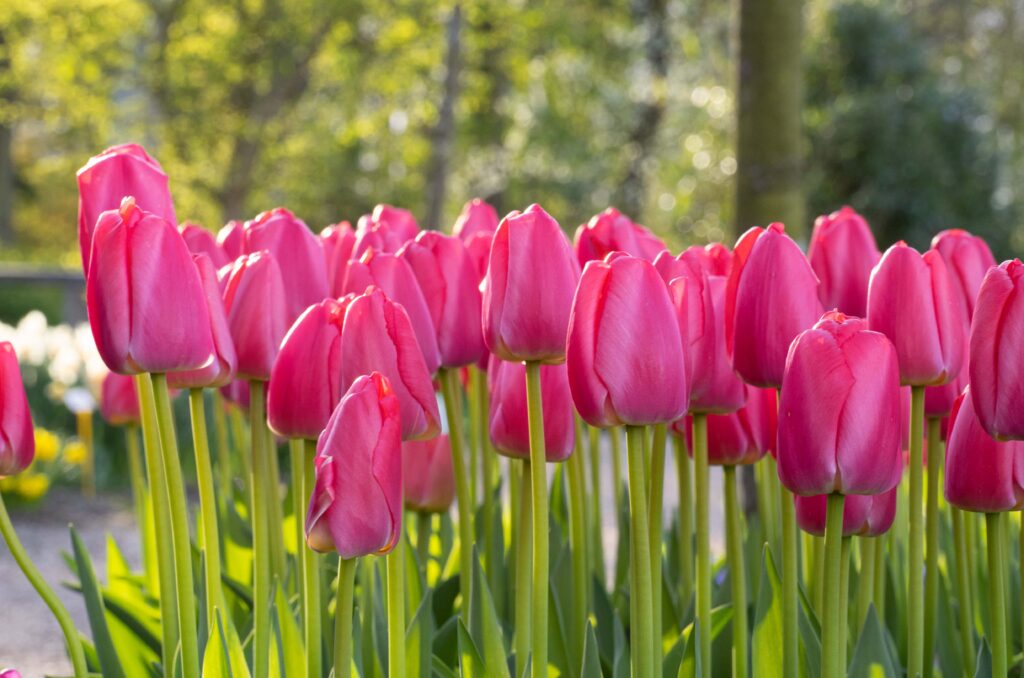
pixel 591 657
pixel 766 648
pixel 690 665
pixel 224 655
pixel 983 667
pixel 419 640
pixel 484 627
pixel 674 659
pixel 106 652
pixel 470 661
pixel 950 653
pixel 871 656
pixel 446 641
pixel 440 668
pixel 291 654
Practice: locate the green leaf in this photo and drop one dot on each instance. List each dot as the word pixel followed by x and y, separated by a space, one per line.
pixel 984 664
pixel 105 651
pixel 871 657
pixel 766 648
pixel 420 638
pixel 484 627
pixel 441 668
pixel 591 657
pixel 224 655
pixel 690 666
pixel 291 658
pixel 470 661
pixel 674 659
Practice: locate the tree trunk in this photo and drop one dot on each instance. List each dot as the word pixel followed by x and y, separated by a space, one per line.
pixel 769 145
pixel 444 133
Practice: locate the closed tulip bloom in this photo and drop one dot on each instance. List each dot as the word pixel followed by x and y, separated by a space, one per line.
pixel 108 177
pixel 231 239
pixel 448 279
pixel 221 369
pixel 864 515
pixel 399 221
pixel 718 259
pixel 398 281
pixel 305 384
pixel 142 292
pixel 911 300
pixel 740 437
pixel 478 246
pixel 982 473
pixel 337 241
pixel 254 300
pixel 612 231
pixel 477 216
pixel 509 425
pixel 9 673
pixel 771 296
pixel 968 258
pixel 839 427
pixel 17 436
pixel 528 290
pixel 237 392
pixel 119 402
pixel 378 337
pixel 356 507
pixel 996 367
pixel 200 241
pixel 377 237
pixel 842 253
pixel 428 474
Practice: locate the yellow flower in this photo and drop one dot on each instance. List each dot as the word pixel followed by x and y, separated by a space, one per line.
pixel 75 453
pixel 33 485
pixel 47 445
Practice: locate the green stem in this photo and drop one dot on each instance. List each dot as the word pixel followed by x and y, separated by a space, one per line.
pixel 1020 564
pixel 311 570
pixel 614 435
pixel 654 515
pixel 830 625
pixel 931 566
pixel 343 619
pixel 642 625
pixel 462 490
pixel 578 540
pixel 243 442
pixel 261 542
pixel 479 412
pixel 275 514
pixel 139 500
pixel 766 504
pixel 424 528
pixel 469 444
pixel 222 459
pixel 865 579
pixel 701 480
pixel 737 575
pixel 790 577
pixel 996 588
pixel 915 558
pixel 844 602
pixel 21 557
pixel 818 590
pixel 396 609
pixel 367 595
pixel 207 507
pixel 880 577
pixel 684 474
pixel 963 591
pixel 596 501
pixel 539 481
pixel 181 545
pixel 523 549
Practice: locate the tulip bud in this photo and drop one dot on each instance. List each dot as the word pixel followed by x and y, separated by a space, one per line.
pixel 476 217
pixel 528 290
pixel 452 294
pixel 378 337
pixel 612 231
pixel 142 295
pixel 9 673
pixel 625 354
pixel 221 369
pixel 119 402
pixel 982 473
pixel 337 241
pixel 865 515
pixel 771 296
pixel 200 241
pixel 911 301
pixel 996 368
pixel 305 384
pixel 842 253
pixel 478 246
pixel 231 239
pixel 509 417
pixel 839 427
pixel 740 437
pixel 254 301
pixel 108 177
pixel 968 259
pixel 17 436
pixel 400 221
pixel 356 507
pixel 428 474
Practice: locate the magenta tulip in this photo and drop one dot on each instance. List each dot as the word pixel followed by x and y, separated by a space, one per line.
pixel 119 402
pixel 400 221
pixel 231 239
pixel 254 300
pixel 221 369
pixel 337 241
pixel 476 217
pixel 863 515
pixel 842 253
pixel 428 474
pixel 509 427
pixel 968 258
pixel 237 392
pixel 9 673
pixel 612 231
pixel 356 507
pixel 17 436
pixel 201 241
pixel 740 437
pixel 478 246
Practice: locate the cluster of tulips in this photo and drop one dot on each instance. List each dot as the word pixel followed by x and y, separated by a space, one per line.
pixel 820 370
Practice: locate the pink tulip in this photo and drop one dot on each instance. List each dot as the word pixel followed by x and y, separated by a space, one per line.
pixel 400 221
pixel 740 437
pixel 612 231
pixel 911 301
pixel 378 337
pixel 968 259
pixel 451 290
pixel 338 241
pixel 237 392
pixel 478 246
pixel 108 177
pixel 376 237
pixel 997 365
pixel 254 300
pixel 771 296
pixel 142 292
pixel 476 217
pixel 982 473
pixel 718 259
pixel 221 369
pixel 119 402
pixel 839 427
pixel 528 290
pixel 305 384
pixel 428 474
pixel 201 241
pixel 9 673
pixel 231 239
pixel 17 436
pixel 842 253
pixel 625 353
pixel 863 515
pixel 509 425
pixel 356 507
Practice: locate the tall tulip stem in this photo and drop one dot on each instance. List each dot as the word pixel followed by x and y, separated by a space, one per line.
pixel 596 501
pixel 996 588
pixel 492 547
pixel 395 563
pixel 844 601
pixel 931 563
pixel 207 506
pixel 304 468
pixel 260 531
pixel 578 540
pixel 523 550
pixel 137 477
pixel 790 578
pixel 449 379
pixel 915 558
pixel 865 579
pixel 684 476
pixel 831 626
pixel 343 618
pixel 737 574
pixel 701 480
pixel 539 480
pixel 654 516
pixel 963 590
pixel 642 625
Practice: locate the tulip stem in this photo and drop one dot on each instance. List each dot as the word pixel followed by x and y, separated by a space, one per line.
pixel 931 565
pixel 424 527
pixel 996 588
pixel 596 501
pixel 616 445
pixel 180 542
pixel 479 412
pixel 223 450
pixel 701 480
pixel 449 384
pixel 881 575
pixel 963 591
pixel 84 425
pixel 790 578
pixel 654 515
pixel 524 558
pixel 275 513
pixel 642 625
pixel 367 596
pixel 260 531
pixel 865 579
pixel 578 539
pixel 303 481
pixel 915 559
pixel 343 619
pixel 67 626
pixel 139 499
pixel 539 481
pixel 207 507
pixel 830 625
pixel 684 475
pixel 737 575
pixel 844 601
pixel 395 565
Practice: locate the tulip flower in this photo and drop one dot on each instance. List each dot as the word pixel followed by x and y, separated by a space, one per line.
pixel 108 177
pixel 9 673
pixel 119 402
pixel 996 368
pixel 911 300
pixel 396 278
pixel 221 369
pixel 451 290
pixel 624 354
pixel 400 221
pixel 864 515
pixel 237 392
pixel 305 384
pixel 428 475
pixel 612 231
pixel 200 241
pixel 377 237
pixel 771 296
pixel 842 253
pixel 231 239
pixel 356 507
pixel 968 258
pixel 740 437
pixel 377 336
pixel 509 428
pixel 838 412
pixel 254 300
pixel 17 436
pixel 476 217
pixel 143 292
pixel 298 254
pixel 478 246
pixel 528 290
pixel 337 241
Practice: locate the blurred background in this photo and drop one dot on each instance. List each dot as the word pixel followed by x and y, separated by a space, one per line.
pixel 698 118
